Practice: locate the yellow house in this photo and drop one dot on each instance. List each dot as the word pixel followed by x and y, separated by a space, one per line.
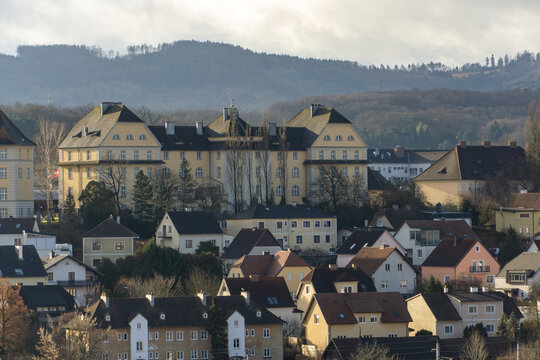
pixel 285 264
pixel 355 315
pixel 16 171
pixel 464 171
pixel 521 212
pixel 108 240
pixel 21 265
pixel 238 163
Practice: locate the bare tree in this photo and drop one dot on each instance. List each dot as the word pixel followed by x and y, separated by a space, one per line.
pixel 48 138
pixel 372 351
pixel 475 348
pixel 165 191
pixel 248 166
pixel 333 186
pixel 136 287
pixel 113 175
pixel 235 161
pixel 14 320
pixel 201 280
pixel 283 154
pixel 263 172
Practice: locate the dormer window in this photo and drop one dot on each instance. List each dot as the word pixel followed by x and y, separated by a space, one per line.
pixel 142 137
pixel 107 317
pixel 350 138
pixel 327 138
pixel 129 137
pixel 205 315
pixel 259 314
pixel 116 137
pixel 339 138
pixel 162 316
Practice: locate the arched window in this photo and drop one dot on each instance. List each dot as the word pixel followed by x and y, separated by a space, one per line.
pixel 116 137
pixel 350 138
pixel 339 138
pixel 129 137
pixel 279 172
pixel 279 190
pixel 142 137
pixel 296 190
pixel 295 172
pixel 199 172
pixel 327 138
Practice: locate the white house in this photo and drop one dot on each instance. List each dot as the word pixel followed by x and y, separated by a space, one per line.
pixel 25 231
pixel 390 269
pixel 71 274
pixel 516 277
pixel 184 231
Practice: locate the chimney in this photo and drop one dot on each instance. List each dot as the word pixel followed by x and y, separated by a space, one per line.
pixel 395 207
pixel 366 223
pixel 512 144
pixel 474 289
pixel 399 151
pixel 382 246
pixel 245 295
pixel 486 144
pixel 199 127
pixel 151 299
pixel 272 129
pixel 445 289
pixel 254 277
pixel 202 296
pixel 169 128
pixel 105 298
pixel 462 144
pixel 314 108
pixel 118 219
pixel 51 254
pixel 19 250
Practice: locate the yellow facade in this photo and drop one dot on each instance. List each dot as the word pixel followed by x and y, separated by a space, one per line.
pixel 96 249
pixel 16 181
pixel 293 276
pixel 525 222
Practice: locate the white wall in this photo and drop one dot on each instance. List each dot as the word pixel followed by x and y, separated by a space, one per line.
pixel 236 332
pixel 404 238
pixel 136 335
pixel 394 276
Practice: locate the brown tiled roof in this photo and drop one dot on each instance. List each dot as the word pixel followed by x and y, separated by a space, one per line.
pixel 253 264
pixel 397 217
pixel 369 259
pixel 270 292
pixel 527 200
pixel 269 265
pixel 450 229
pixel 110 228
pixel 323 279
pixel 441 307
pixel 339 308
pixel 450 252
pixel 246 240
pixel 283 259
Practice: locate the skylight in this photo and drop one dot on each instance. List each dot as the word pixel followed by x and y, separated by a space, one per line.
pixel 19 272
pixel 341 316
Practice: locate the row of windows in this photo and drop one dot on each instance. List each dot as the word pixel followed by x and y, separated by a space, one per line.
pixel 118 246
pixel 316 239
pixel 402 284
pixel 294 224
pixel 338 138
pixel 333 154
pixel 4 173
pixel 129 137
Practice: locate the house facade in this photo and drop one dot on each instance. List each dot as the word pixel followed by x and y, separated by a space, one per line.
pixel 517 276
pixel 21 265
pixel 252 241
pixel 107 240
pixel 521 213
pixel 25 231
pixel 16 171
pixel 279 162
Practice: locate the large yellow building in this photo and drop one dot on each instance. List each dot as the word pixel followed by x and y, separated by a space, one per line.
pixel 16 171
pixel 245 164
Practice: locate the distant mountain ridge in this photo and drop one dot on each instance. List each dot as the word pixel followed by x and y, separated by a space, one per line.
pixel 205 75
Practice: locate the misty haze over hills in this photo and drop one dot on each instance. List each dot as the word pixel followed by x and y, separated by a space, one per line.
pixel 205 75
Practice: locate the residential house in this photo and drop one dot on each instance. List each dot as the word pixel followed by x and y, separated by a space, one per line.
pixel 521 212
pixel 534 245
pixel 25 231
pixel 21 265
pixel 268 292
pixel 184 231
pixel 16 171
pixel 390 270
pixel 400 164
pixel 252 241
pixel 283 160
pixel 48 302
pixel 517 276
pixel 461 257
pixel 73 275
pixel 332 280
pixel 154 328
pixel 377 185
pixel 440 214
pixel 285 264
pixel 465 170
pixel 392 218
pixel 448 314
pixel 421 237
pixel 354 315
pixel 359 238
pixel 297 227
pixel 107 240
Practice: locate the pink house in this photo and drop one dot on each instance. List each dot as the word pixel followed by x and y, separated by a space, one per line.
pixel 454 258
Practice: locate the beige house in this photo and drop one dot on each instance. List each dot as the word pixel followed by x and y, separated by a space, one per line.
pixel 107 240
pixel 21 265
pixel 16 171
pixel 154 328
pixel 517 276
pixel 297 227
pixel 521 212
pixel 184 231
pixel 279 162
pixel 355 315
pixel 465 170
pixel 448 314
pixel 284 264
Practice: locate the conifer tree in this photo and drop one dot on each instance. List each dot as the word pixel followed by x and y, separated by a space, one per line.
pixel 217 332
pixel 142 196
pixel 187 185
pixel 511 247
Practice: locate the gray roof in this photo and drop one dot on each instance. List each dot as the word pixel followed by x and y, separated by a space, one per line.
pixel 246 240
pixel 110 228
pixel 194 222
pixel 410 156
pixel 269 292
pixel 16 225
pixel 441 307
pixel 282 212
pixel 35 296
pixel 10 134
pixel 358 239
pixel 524 261
pixel 11 266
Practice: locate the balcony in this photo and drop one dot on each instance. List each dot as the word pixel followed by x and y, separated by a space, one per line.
pixel 164 235
pixel 77 283
pixel 479 269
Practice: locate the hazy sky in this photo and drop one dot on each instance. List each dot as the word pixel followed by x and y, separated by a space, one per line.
pixel 370 32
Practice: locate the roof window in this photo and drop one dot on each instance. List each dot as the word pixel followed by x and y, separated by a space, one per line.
pixel 142 137
pixel 341 316
pixel 442 171
pixel 107 317
pixel 162 316
pixel 116 137
pixel 326 138
pixel 19 272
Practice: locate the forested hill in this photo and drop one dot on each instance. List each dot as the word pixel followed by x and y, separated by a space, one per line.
pixel 205 75
pixel 414 118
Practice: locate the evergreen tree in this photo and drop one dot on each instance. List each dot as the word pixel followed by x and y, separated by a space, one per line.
pixel 97 203
pixel 142 196
pixel 70 221
pixel 507 326
pixel 187 185
pixel 217 332
pixel 511 247
pixel 433 286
